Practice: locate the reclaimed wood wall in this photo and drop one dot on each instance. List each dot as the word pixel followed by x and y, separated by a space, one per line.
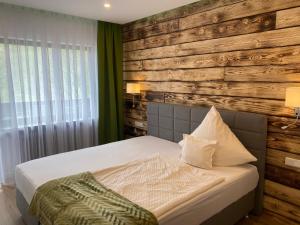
pixel 234 54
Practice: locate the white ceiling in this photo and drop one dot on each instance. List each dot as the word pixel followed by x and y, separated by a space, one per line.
pixel 121 11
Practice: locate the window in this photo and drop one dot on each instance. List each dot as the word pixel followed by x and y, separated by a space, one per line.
pixel 46 83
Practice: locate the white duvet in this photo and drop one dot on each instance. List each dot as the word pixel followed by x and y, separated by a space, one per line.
pixel 156 184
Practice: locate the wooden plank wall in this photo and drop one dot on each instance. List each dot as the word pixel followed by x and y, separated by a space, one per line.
pixel 234 54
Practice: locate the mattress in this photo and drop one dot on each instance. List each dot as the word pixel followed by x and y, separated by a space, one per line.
pixel 239 180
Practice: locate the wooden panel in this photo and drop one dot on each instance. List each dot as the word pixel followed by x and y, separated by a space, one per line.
pixel 277 38
pixel 269 107
pixel 282 192
pixel 284 142
pixel 288 18
pixel 273 56
pixel 246 25
pixel 277 158
pixel 264 73
pixel 205 74
pixel 133 45
pixel 154 96
pixel 239 10
pixel 132 131
pixel 231 55
pixel 135 114
pixel 132 66
pixel 156 29
pixel 261 90
pixel 282 208
pixel 267 218
pixel 147 96
pixel 139 105
pixel 284 176
pixel 275 123
pixel 199 6
pixel 140 124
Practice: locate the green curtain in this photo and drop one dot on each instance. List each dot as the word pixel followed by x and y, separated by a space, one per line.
pixel 110 80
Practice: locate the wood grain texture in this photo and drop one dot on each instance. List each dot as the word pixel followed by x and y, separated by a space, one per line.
pixel 247 25
pixel 132 66
pixel 140 124
pixel 205 74
pixel 277 158
pixel 236 55
pixel 156 29
pixel 185 10
pixel 288 18
pixel 282 192
pixel 133 45
pixel 136 114
pixel 256 105
pixel 284 142
pixel 282 208
pixel 283 176
pixel 282 37
pixel 146 96
pixel 275 123
pixel 289 73
pixel 238 10
pixel 139 105
pixel 255 90
pixel 267 218
pixel 270 56
pixel 134 132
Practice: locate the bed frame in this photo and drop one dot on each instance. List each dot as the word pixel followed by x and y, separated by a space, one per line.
pixel 171 121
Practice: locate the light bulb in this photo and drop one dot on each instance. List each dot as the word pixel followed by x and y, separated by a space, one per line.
pixel 106 5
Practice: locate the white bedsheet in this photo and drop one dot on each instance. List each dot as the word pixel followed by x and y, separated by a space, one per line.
pixel 157 184
pixel 238 180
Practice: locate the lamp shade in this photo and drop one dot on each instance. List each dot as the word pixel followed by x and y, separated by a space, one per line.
pixel 133 88
pixel 292 97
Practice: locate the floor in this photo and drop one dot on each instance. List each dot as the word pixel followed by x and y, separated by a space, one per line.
pixel 9 214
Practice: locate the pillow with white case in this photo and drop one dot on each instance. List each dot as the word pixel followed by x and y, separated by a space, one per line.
pixel 229 150
pixel 198 152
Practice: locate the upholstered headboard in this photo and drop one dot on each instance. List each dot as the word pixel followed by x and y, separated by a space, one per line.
pixel 169 122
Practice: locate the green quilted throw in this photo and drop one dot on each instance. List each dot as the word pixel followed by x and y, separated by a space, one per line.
pixel 81 200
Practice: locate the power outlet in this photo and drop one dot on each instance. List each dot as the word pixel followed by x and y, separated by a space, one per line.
pixel 292 162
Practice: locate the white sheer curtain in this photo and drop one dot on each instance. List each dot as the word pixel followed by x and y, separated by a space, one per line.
pixel 48 85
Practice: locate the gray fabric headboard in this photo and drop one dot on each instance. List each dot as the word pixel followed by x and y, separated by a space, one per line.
pixel 169 122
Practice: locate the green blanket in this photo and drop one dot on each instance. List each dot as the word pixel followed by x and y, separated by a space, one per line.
pixel 81 200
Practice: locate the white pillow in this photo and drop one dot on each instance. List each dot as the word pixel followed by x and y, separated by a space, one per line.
pixel 198 152
pixel 229 150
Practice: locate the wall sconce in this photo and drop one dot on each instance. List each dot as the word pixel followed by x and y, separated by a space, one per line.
pixel 292 99
pixel 134 89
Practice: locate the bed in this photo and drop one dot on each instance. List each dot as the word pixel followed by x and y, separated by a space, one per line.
pixel 225 203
